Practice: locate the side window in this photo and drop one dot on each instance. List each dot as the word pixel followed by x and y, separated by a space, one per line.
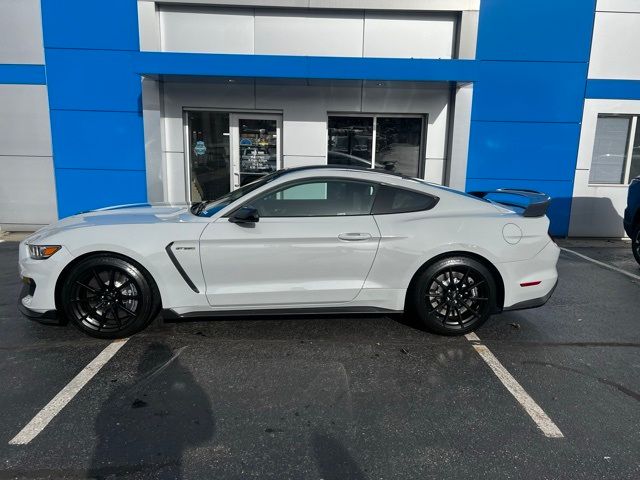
pixel 399 200
pixel 322 198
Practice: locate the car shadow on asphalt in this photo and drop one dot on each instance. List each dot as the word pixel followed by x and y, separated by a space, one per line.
pixel 334 460
pixel 144 427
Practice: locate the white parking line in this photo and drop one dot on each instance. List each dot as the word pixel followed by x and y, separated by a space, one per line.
pixel 531 407
pixel 44 416
pixel 602 264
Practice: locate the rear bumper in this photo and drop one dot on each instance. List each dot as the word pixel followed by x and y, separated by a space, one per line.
pixel 530 283
pixel 533 303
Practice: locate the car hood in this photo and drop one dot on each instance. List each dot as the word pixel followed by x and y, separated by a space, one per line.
pixel 142 213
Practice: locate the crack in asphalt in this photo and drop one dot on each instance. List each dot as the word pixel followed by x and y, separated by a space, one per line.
pixel 604 381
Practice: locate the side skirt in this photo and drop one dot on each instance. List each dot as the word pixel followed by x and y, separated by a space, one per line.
pixel 169 314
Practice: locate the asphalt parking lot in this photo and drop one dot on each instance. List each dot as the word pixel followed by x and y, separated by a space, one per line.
pixel 337 398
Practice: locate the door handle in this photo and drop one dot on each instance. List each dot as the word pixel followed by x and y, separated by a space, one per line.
pixel 354 236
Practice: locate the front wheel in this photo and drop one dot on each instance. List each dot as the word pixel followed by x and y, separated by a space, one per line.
pixel 635 243
pixel 109 297
pixel 454 296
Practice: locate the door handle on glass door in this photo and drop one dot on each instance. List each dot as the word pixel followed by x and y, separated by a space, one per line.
pixel 354 236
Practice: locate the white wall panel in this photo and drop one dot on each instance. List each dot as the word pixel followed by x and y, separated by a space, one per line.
pixel 24 120
pixel 613 51
pixel 417 5
pixel 408 35
pixel 175 176
pixel 27 190
pixel 597 210
pixel 21 32
pixel 293 161
pixel 201 29
pixel 153 140
pixel 459 137
pixel 316 32
pixel 304 32
pixel 618 6
pixel 434 170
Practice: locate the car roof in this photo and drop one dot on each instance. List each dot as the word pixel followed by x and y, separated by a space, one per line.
pixel 342 168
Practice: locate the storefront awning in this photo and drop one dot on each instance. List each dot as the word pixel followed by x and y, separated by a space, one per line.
pixel 162 64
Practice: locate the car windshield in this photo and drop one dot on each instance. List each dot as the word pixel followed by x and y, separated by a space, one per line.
pixel 211 207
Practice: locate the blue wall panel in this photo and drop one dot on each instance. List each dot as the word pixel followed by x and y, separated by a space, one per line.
pixel 618 89
pixel 529 98
pixel 530 91
pixel 92 80
pixel 81 190
pixel 92 24
pixel 536 30
pixel 22 74
pixel 97 140
pixel 522 151
pixel 95 103
pixel 291 66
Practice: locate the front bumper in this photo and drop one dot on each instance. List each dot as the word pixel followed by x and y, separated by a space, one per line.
pixel 45 274
pixel 24 299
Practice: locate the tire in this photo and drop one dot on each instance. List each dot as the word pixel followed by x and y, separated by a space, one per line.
pixel 635 243
pixel 109 297
pixel 453 296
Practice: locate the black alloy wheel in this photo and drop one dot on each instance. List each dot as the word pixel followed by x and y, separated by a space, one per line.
pixel 635 244
pixel 454 296
pixel 109 297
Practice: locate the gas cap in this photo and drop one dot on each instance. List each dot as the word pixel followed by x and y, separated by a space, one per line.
pixel 512 233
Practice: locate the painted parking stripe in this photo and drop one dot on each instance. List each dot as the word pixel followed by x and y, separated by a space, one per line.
pixel 602 264
pixel 44 416
pixel 536 413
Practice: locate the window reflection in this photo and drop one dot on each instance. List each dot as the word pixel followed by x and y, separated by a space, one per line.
pixel 350 141
pixel 398 144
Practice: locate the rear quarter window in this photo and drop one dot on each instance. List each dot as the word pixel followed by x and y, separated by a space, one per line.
pixel 400 200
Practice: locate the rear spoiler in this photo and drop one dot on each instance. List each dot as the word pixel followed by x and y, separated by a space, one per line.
pixel 536 202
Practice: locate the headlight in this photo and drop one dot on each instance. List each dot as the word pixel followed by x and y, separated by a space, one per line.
pixel 42 252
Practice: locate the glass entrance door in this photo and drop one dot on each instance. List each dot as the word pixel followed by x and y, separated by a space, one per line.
pixel 228 150
pixel 255 146
pixel 209 155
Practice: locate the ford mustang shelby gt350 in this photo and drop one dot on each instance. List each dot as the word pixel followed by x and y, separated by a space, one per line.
pixel 320 239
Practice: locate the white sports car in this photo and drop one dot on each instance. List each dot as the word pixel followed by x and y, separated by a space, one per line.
pixel 310 239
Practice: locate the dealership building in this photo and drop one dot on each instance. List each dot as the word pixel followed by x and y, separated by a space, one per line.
pixel 125 101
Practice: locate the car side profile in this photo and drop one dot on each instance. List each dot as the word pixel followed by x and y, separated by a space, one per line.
pixel 632 217
pixel 309 239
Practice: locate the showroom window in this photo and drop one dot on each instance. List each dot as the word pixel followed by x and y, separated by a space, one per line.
pixel 616 150
pixel 398 142
pixel 323 198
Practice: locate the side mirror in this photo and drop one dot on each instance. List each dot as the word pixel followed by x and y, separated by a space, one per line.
pixel 245 215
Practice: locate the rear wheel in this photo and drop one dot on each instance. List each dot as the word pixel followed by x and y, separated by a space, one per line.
pixel 454 296
pixel 109 297
pixel 635 243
